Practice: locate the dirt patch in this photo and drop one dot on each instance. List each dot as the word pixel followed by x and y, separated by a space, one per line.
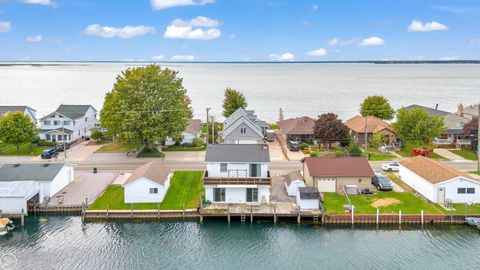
pixel 385 202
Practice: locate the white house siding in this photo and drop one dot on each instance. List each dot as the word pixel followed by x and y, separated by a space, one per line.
pixel 292 189
pixel 307 204
pixel 61 180
pixel 187 138
pixel 238 194
pixel 13 205
pixel 417 182
pixel 81 126
pixel 243 169
pixel 138 191
pixel 451 190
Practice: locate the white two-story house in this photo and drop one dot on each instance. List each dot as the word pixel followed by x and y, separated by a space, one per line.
pixel 68 123
pixel 237 173
pixel 243 127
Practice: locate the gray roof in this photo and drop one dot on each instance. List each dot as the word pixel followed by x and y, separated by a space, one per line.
pixel 73 111
pixel 453 122
pixel 6 109
pixel 431 111
pixel 30 172
pixel 237 153
pixel 308 193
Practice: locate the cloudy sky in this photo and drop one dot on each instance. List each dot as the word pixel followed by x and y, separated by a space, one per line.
pixel 238 30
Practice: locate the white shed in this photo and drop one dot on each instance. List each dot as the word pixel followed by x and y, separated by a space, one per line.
pixel 438 182
pixel 293 181
pixel 308 198
pixel 148 184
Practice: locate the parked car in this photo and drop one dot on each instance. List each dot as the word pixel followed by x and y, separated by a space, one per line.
pixel 293 145
pixel 391 167
pixel 381 182
pixel 49 153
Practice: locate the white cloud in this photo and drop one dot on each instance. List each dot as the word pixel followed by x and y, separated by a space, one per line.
pixel 317 53
pixel 282 57
pixel 199 28
pixel 163 4
pixel 33 39
pixel 449 58
pixel 339 42
pixel 184 57
pixel 315 7
pixel 5 27
pixel 418 26
pixel 38 2
pixel 123 32
pixel 158 57
pixel 372 41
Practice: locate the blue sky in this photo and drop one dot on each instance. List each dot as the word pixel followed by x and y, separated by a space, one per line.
pixel 238 30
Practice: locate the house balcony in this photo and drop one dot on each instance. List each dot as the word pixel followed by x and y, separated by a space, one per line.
pixel 237 180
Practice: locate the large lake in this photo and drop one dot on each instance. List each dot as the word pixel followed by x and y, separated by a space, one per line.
pixel 69 243
pixel 300 89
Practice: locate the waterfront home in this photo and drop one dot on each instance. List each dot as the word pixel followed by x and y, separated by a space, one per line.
pixel 439 182
pixel 24 109
pixel 68 123
pixel 243 127
pixel 237 173
pixel 468 111
pixel 21 184
pixel 453 123
pixel 360 127
pixel 148 184
pixel 298 129
pixel 193 130
pixel 293 181
pixel 334 174
pixel 308 198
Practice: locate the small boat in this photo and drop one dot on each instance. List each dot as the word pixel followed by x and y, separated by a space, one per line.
pixel 473 221
pixel 6 225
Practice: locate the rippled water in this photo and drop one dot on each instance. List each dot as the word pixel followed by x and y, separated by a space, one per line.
pixel 69 243
pixel 300 89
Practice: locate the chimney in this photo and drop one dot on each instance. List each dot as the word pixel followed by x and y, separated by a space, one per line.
pixel 436 106
pixel 460 109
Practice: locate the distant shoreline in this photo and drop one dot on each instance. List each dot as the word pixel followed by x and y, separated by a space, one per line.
pixel 388 62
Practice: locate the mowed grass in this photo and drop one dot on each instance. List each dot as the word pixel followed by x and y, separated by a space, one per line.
pixel 466 154
pixel 381 157
pixel 185 190
pixel 26 149
pixel 393 203
pixel 475 172
pixel 461 209
pixel 118 147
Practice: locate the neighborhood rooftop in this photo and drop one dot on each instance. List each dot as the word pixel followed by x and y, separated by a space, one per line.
pixel 194 126
pixel 237 153
pixel 73 111
pixel 432 170
pixel 339 166
pixel 308 193
pixel 154 170
pixel 295 126
pixel 374 124
pixel 6 109
pixel 30 172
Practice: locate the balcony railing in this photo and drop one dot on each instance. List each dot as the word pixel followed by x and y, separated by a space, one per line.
pixel 237 180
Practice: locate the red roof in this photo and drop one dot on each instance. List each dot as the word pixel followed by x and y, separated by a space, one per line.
pixel 338 166
pixel 297 126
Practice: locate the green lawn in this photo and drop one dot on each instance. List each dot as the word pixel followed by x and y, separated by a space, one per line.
pixel 407 152
pixel 460 209
pixel 181 148
pixel 381 157
pixel 185 189
pixel 118 147
pixel 392 203
pixel 154 153
pixel 475 172
pixel 466 154
pixel 26 149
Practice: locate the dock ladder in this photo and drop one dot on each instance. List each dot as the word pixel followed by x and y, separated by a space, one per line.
pixel 315 218
pixel 242 217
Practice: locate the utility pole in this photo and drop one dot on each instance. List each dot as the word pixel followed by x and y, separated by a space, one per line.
pixel 64 149
pixel 213 130
pixel 208 109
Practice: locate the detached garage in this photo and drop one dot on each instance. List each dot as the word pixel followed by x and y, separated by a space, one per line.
pixel 148 184
pixel 308 198
pixel 438 182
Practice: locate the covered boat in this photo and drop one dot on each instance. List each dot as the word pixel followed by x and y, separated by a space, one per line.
pixel 473 221
pixel 6 225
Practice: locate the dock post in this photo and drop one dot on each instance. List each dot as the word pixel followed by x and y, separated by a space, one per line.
pixel 400 217
pixel 108 206
pixel 183 214
pixel 299 217
pixel 421 216
pixel 251 214
pixel 158 210
pixel 274 213
pixel 353 214
pixel 23 218
pixel 378 216
pixel 228 213
pixel 0 213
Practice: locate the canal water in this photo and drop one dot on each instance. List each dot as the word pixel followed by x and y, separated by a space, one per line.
pixel 69 243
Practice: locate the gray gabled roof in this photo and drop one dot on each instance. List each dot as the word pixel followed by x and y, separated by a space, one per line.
pixel 430 111
pixel 73 111
pixel 30 172
pixel 454 123
pixel 244 153
pixel 6 109
pixel 308 193
pixel 64 130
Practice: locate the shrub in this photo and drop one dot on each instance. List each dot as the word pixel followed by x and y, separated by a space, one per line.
pixel 303 146
pixel 97 135
pixel 314 154
pixel 45 143
pixel 355 150
pixel 197 142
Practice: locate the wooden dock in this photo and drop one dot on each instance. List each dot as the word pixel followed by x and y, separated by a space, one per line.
pixel 140 214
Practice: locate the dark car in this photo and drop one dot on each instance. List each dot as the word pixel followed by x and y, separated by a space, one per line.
pixel 293 145
pixel 381 182
pixel 50 153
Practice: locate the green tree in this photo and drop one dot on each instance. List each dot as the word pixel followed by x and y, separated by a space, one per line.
pixel 376 140
pixel 328 129
pixel 147 104
pixel 377 106
pixel 355 150
pixel 97 135
pixel 233 101
pixel 471 129
pixel 417 126
pixel 17 128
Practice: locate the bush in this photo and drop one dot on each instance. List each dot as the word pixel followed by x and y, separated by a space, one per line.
pixel 45 143
pixel 340 153
pixel 97 135
pixel 303 146
pixel 197 142
pixel 355 150
pixel 314 154
pixel 274 126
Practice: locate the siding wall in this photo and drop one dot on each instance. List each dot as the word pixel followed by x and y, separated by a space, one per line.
pixel 239 194
pixel 418 183
pixel 249 137
pixel 243 169
pixel 138 191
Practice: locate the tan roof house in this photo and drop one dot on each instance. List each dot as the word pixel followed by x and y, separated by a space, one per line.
pixel 148 184
pixel 298 129
pixel 333 174
pixel 374 125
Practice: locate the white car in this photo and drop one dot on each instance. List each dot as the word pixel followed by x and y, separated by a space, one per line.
pixel 391 167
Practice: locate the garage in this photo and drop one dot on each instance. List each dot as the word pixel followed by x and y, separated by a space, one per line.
pixel 15 195
pixel 327 184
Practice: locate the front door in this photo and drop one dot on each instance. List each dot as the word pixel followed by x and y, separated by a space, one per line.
pixel 441 195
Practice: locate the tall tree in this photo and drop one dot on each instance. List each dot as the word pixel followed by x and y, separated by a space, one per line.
pixel 328 129
pixel 417 126
pixel 17 128
pixel 377 106
pixel 471 129
pixel 146 104
pixel 233 101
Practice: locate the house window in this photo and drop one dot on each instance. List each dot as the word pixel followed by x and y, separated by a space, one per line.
pixel 153 190
pixel 360 181
pixel 56 123
pixel 255 170
pixel 223 167
pixel 47 122
pixel 60 116
pixel 48 137
pixel 66 123
pixel 86 119
pixel 219 194
pixel 252 194
pixel 461 190
pixel 243 130
pixel 470 190
pixel 59 137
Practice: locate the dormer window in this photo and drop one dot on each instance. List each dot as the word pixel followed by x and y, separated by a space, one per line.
pixel 243 130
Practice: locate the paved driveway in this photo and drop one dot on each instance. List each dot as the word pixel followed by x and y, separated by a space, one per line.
pixel 279 194
pixel 185 156
pixel 275 150
pixel 447 154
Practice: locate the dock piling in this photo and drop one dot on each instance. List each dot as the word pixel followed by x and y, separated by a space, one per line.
pixel 228 213
pixel 421 216
pixel 22 222
pixel 251 214
pixel 274 213
pixel 378 216
pixel 353 214
pixel 400 217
